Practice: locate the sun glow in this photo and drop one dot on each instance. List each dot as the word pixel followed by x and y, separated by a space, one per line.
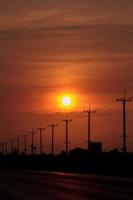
pixel 66 101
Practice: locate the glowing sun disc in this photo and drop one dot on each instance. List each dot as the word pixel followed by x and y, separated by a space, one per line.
pixel 66 101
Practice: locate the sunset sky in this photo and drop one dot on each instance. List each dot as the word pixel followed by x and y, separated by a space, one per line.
pixel 79 47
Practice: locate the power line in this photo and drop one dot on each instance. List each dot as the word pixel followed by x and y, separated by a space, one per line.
pixel 106 106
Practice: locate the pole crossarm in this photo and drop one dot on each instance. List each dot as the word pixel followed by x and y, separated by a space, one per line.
pixel 124 99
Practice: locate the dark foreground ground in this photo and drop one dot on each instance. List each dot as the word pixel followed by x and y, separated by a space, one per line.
pixel 36 185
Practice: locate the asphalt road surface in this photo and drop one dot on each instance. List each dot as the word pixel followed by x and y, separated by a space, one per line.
pixel 35 185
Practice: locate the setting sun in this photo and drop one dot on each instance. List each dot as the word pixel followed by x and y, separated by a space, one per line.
pixel 66 101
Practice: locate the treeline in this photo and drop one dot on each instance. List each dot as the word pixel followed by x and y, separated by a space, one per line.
pixel 112 163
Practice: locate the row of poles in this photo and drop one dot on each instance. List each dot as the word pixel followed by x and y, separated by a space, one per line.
pixel 3 146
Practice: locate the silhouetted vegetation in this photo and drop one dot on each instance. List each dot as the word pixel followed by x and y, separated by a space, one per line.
pixel 78 161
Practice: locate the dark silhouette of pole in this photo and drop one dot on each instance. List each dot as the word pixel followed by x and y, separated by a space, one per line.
pixel 25 143
pixel 3 148
pixel 124 100
pixel 0 148
pixel 35 150
pixel 18 144
pixel 53 130
pixel 6 144
pixel 67 121
pixel 89 112
pixel 32 141
pixel 41 139
pixel 12 145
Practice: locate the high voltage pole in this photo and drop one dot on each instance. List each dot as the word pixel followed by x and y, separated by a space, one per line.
pixel 89 112
pixel 32 141
pixel 67 121
pixel 6 144
pixel 124 100
pixel 18 144
pixel 53 126
pixel 41 139
pixel 12 145
pixel 3 148
pixel 25 143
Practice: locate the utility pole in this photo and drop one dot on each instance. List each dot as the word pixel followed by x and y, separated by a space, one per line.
pixel 67 121
pixel 32 141
pixel 53 130
pixel 124 100
pixel 6 148
pixel 89 112
pixel 41 139
pixel 3 148
pixel 25 143
pixel 35 150
pixel 18 144
pixel 12 145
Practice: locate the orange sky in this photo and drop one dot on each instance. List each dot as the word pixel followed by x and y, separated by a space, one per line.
pixel 83 47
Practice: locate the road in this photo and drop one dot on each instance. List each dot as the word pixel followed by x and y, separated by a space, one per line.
pixel 36 185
